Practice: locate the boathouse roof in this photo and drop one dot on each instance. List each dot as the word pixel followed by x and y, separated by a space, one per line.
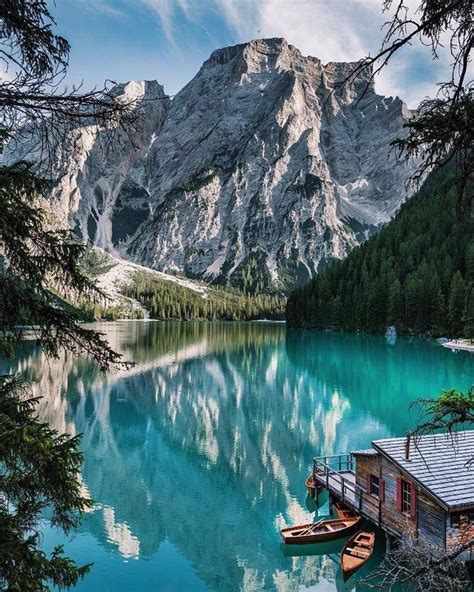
pixel 366 452
pixel 439 463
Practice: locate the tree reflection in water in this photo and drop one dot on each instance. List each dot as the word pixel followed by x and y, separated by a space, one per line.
pixel 206 442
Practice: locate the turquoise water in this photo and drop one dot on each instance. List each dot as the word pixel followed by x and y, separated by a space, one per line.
pixel 198 455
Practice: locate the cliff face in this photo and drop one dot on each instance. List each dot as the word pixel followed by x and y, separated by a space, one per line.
pixel 107 201
pixel 258 171
pixel 264 169
pixel 92 167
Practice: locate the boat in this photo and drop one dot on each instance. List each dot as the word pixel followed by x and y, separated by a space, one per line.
pixel 342 512
pixel 311 485
pixel 317 532
pixel 356 552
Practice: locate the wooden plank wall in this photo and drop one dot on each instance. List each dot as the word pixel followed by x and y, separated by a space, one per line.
pixel 365 466
pixel 431 520
pixel 391 515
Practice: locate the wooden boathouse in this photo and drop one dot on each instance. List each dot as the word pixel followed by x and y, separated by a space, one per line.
pixel 422 487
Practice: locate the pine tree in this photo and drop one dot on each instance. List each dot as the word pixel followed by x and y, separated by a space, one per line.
pixel 403 276
pixel 456 303
pixel 468 316
pixel 395 304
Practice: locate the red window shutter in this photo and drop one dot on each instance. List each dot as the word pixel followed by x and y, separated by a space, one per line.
pixel 399 494
pixel 413 501
pixel 382 490
pixel 369 488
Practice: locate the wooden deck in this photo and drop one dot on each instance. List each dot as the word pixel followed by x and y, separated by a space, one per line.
pixel 341 484
pixel 335 473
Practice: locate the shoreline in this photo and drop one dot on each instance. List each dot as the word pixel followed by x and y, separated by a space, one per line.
pixel 460 344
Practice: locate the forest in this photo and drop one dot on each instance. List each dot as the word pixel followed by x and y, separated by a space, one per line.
pixel 169 301
pixel 416 274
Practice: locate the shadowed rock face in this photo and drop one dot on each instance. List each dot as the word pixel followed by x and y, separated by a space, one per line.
pixel 107 201
pixel 97 188
pixel 259 171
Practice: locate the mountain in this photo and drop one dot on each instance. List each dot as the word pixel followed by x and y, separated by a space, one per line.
pixel 260 171
pixel 98 188
pixel 416 274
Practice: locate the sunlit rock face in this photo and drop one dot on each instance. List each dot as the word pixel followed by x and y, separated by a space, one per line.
pixel 264 167
pixel 98 187
pixel 258 172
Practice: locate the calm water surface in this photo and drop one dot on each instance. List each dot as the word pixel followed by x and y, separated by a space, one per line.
pixel 198 455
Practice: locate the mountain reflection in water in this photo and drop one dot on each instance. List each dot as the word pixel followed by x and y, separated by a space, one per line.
pixel 198 454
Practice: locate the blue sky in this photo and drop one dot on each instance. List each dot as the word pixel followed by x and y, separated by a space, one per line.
pixel 168 40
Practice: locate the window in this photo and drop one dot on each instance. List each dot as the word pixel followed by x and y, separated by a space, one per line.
pixel 406 497
pixel 374 485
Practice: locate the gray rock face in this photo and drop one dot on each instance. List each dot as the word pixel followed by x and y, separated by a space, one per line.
pixel 263 170
pixel 259 171
pixel 97 186
pixel 107 198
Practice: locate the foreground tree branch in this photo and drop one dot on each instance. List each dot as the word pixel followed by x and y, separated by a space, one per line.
pixel 422 568
pixel 450 410
pixel 39 271
pixel 441 130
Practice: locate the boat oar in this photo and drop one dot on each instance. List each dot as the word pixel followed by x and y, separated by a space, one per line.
pixel 312 527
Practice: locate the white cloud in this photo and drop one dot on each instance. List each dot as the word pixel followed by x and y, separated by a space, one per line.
pixel 336 30
pixel 332 30
pixel 319 28
pixel 6 75
pixel 167 11
pixel 102 7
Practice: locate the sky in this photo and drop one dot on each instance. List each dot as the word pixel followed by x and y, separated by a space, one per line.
pixel 168 40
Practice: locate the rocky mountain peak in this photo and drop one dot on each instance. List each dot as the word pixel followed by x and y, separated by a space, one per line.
pixel 259 171
pixel 276 56
pixel 258 49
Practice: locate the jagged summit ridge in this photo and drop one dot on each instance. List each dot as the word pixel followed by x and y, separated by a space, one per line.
pixel 264 169
pixel 260 170
pixel 267 55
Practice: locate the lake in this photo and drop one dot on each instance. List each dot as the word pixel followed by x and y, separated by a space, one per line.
pixel 196 456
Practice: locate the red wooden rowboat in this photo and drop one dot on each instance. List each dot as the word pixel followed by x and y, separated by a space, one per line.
pixel 356 552
pixel 317 532
pixel 310 485
pixel 342 512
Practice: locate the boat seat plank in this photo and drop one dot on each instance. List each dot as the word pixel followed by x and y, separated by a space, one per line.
pixel 358 552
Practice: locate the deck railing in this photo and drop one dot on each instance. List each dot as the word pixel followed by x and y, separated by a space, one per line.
pixel 337 462
pixel 331 471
